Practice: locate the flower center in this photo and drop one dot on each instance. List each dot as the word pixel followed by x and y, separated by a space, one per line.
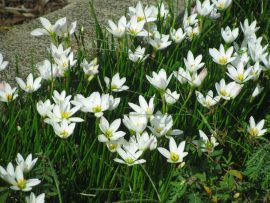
pixel 65 115
pixel 112 147
pixel 129 160
pixel 253 132
pixel 222 60
pixel 207 103
pixel 223 93
pixel 140 18
pixel 158 130
pixel 240 77
pixel 174 157
pixel 64 133
pixel 209 146
pixel 114 87
pixel 9 97
pixel 221 6
pixel 148 111
pixel 65 65
pixel 108 133
pixel 133 31
pixel 97 109
pixel 21 183
pixel 29 87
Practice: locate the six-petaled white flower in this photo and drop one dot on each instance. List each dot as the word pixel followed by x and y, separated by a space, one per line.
pixel 175 154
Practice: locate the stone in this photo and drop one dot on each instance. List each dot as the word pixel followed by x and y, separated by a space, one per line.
pixel 19 47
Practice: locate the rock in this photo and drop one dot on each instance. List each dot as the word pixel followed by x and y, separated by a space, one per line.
pixel 19 47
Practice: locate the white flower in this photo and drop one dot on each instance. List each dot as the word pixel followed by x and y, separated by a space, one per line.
pixel 193 64
pixel 160 41
pixel 3 64
pixel 58 51
pixel 130 155
pixel 33 199
pixel 113 102
pixel 161 124
pixel 177 35
pixel 63 111
pixel 31 85
pixel 113 145
pixel 174 154
pixel 8 173
pixel 181 75
pixel 137 55
pixel 222 4
pixel 229 35
pixel 241 57
pixel 144 15
pixel 171 97
pixel 160 11
pixel 120 29
pixel 256 129
pixel 257 51
pixel 26 164
pixel 205 8
pixel 91 68
pixel 48 70
pixel 209 100
pixel 66 31
pixel 221 56
pixel 195 79
pixel 110 130
pixel 116 84
pixel 7 94
pixel 144 108
pixel 214 14
pixel 96 103
pixel 239 74
pixel 144 141
pixel 159 80
pixel 258 89
pixel 135 27
pixel 191 20
pixel 64 62
pixel 206 144
pixel 63 129
pixel 60 98
pixel 135 122
pixel 228 91
pixel 48 28
pixel 266 62
pixel 192 32
pixel 256 70
pixel 18 181
pixel 249 30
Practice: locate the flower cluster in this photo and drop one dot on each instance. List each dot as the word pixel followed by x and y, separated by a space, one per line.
pixel 16 176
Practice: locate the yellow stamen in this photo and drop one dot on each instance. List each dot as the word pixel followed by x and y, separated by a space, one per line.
pixel 114 87
pixel 140 18
pixel 222 60
pixel 112 147
pixel 129 161
pixel 223 92
pixel 108 133
pixel 97 109
pixel 9 97
pixel 253 132
pixel 174 157
pixel 64 134
pixel 21 183
pixel 65 115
